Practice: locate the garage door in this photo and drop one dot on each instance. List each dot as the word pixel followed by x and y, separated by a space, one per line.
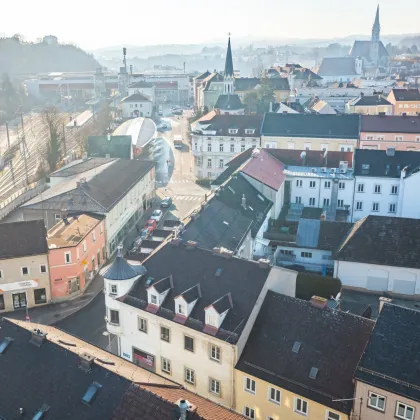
pixel 377 283
pixel 404 287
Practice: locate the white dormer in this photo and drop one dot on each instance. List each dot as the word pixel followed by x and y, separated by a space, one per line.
pixel 157 292
pixel 184 303
pixel 217 311
pixel 249 131
pixel 233 131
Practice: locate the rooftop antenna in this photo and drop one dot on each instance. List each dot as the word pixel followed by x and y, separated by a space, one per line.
pixel 125 58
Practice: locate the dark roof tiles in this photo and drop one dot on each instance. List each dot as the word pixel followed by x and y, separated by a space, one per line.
pixel 164 284
pixel 337 66
pixel 229 103
pixel 405 95
pixel 222 123
pixel 136 97
pixel 390 124
pixel 370 100
pixel 120 269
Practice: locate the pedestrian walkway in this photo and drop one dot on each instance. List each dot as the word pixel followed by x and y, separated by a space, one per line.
pixel 188 197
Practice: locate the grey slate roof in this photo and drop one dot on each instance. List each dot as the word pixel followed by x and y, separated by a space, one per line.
pixel 22 239
pixel 383 240
pixel 223 304
pixel 311 125
pixel 102 192
pixel 243 278
pixel 192 294
pixel 120 269
pixel 140 84
pixel 222 123
pixel 390 124
pixel 278 83
pixel 331 341
pixel 51 375
pixel 224 222
pixel 337 66
pixel 246 83
pixel 362 49
pixel 308 233
pixel 229 102
pixel 370 100
pixel 164 284
pixel 382 165
pixel 406 94
pixel 81 166
pixel 136 97
pixel 391 358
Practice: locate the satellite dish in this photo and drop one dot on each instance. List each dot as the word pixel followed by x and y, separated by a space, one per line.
pixel 337 298
pixel 303 155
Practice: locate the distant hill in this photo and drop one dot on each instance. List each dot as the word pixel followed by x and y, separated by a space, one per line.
pixel 17 57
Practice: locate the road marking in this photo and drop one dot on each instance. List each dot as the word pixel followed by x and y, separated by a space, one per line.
pixel 187 197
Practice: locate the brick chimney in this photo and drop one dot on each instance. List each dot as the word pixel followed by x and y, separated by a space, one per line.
pixel 318 302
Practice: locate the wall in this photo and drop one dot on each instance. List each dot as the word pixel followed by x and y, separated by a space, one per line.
pixel 298 143
pixel 409 108
pixel 382 141
pixel 129 109
pixel 147 91
pixel 410 198
pixel 180 358
pixel 378 278
pixel 368 197
pixel 81 265
pixel 369 110
pixel 265 408
pixel 362 409
pixel 319 257
pixel 12 273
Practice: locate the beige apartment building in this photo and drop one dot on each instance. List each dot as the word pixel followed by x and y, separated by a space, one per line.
pixel 24 273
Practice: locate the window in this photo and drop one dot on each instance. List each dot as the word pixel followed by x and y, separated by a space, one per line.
pixel 306 254
pixel 298 200
pixel 165 334
pixel 188 343
pixel 181 309
pixel 189 376
pixel 166 365
pixel 311 184
pixel 249 130
pixel 84 246
pixel 208 163
pixel 101 229
pixel 340 204
pixel 359 205
pixel 221 147
pixel 360 188
pixel 40 296
pixel 332 416
pixel 369 137
pixel 307 146
pixel 312 201
pixel 114 289
pixel 232 148
pixel 1 274
pixel 215 352
pixel 418 138
pixel 142 324
pixel 377 189
pixel 93 236
pixel 274 395
pixel 242 148
pixel 404 411
pixel 376 401
pixel 57 216
pixel 153 299
pixel 42 269
pixel 375 206
pixel 286 252
pixel 221 163
pixel 114 317
pixel 327 184
pixel 249 413
pixel 398 138
pixel 301 406
pixel 392 208
pixel 233 131
pixel 341 185
pixel 209 174
pixel 326 202
pixel 381 137
pixel 250 385
pixel 214 386
pixel 25 271
pixel 299 183
pixel 2 306
pixel 394 189
pixel 209 147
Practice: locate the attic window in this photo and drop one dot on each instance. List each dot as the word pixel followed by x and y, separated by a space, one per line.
pixel 249 131
pixel 233 131
pixel 296 347
pixel 91 392
pixel 149 281
pixel 40 413
pixel 365 168
pixel 218 272
pixel 313 373
pixel 4 344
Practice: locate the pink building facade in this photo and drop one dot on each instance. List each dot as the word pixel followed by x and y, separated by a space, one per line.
pixel 77 250
pixel 382 132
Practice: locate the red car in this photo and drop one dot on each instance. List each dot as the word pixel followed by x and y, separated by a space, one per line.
pixel 150 225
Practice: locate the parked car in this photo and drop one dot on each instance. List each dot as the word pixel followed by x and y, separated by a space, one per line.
pixel 144 234
pixel 166 202
pixel 177 111
pixel 150 225
pixel 156 215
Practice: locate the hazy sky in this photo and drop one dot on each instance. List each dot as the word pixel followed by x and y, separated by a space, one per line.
pixel 98 23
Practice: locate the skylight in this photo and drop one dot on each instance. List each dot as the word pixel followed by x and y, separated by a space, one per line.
pixel 40 413
pixel 313 373
pixel 260 197
pixel 4 344
pixel 91 392
pixel 149 281
pixel 231 189
pixel 296 347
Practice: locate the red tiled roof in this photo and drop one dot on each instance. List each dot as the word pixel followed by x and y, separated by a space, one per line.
pixel 265 168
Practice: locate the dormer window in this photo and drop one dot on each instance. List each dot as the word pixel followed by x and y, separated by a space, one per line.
pixel 216 313
pixel 157 292
pixel 233 131
pixel 249 131
pixel 181 309
pixel 184 303
pixel 153 299
pixel 211 319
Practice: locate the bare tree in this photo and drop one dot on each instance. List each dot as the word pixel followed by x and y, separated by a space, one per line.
pixel 53 122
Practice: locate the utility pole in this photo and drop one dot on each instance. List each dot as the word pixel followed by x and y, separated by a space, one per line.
pixel 8 152
pixel 24 152
pixel 64 141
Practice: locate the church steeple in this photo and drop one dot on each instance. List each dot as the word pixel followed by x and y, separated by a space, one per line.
pixel 229 62
pixel 376 29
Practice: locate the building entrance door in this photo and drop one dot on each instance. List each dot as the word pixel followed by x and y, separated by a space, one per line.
pixel 19 300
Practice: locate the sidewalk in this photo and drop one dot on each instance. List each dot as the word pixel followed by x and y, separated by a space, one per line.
pixel 55 312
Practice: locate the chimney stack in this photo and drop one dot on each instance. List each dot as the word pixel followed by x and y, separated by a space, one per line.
pixel 183 408
pixel 243 201
pixel 318 302
pixel 38 337
pixel 382 301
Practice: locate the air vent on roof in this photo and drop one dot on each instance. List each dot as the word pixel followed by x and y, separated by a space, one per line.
pixel 323 170
pixel 296 347
pixel 313 170
pixel 86 362
pixel 333 170
pixel 40 413
pixel 91 392
pixel 231 189
pixel 313 373
pixel 343 171
pixel 4 344
pixel 38 337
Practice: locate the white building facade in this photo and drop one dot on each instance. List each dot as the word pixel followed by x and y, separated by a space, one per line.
pixel 136 105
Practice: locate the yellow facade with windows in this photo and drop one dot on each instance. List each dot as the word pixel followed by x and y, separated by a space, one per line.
pixel 260 400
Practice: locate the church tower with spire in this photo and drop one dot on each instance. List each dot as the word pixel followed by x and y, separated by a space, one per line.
pixel 375 40
pixel 228 76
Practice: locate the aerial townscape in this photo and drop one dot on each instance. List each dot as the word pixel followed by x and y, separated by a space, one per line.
pixel 194 231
